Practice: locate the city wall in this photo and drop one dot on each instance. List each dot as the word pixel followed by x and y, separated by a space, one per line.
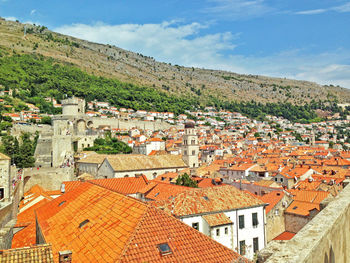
pixel 8 215
pixel 47 177
pixel 120 124
pixel 326 238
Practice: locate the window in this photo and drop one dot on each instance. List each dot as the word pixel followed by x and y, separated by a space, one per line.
pixel 226 230
pixel 242 247
pixel 241 222
pixel 164 249
pixel 195 226
pixel 193 142
pixel 193 152
pixel 255 219
pixel 275 179
pixel 281 180
pixel 84 223
pixel 185 152
pixel 255 244
pixel 218 232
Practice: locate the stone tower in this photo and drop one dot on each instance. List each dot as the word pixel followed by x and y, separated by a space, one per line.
pixel 73 106
pixel 190 146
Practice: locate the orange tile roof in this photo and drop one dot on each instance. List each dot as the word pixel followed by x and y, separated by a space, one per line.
pixel 315 197
pixel 33 254
pixel 121 229
pixel 26 219
pixel 301 208
pixel 125 185
pixel 272 199
pixel 211 199
pixel 162 191
pixel 217 219
pixel 285 236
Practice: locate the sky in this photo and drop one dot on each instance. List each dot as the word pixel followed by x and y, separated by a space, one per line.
pixel 298 39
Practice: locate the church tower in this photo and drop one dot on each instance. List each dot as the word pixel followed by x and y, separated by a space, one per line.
pixel 190 146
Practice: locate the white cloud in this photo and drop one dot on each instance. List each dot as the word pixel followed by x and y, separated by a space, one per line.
pixel 185 44
pixel 311 12
pixel 237 9
pixel 11 18
pixel 167 41
pixel 342 8
pixel 33 12
pixel 345 8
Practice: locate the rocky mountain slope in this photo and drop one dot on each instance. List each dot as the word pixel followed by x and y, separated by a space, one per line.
pixel 113 62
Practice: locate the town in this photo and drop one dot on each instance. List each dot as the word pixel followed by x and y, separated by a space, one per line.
pixel 110 184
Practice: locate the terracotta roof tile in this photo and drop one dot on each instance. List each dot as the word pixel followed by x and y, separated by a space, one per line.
pixel 285 236
pixel 121 229
pixel 217 219
pixel 34 254
pixel 125 185
pixel 272 199
pixel 211 199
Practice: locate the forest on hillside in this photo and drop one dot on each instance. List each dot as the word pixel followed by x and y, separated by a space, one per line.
pixel 34 77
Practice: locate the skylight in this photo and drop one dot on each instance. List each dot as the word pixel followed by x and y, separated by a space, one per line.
pixel 164 249
pixel 84 223
pixel 206 198
pixel 295 207
pixel 61 203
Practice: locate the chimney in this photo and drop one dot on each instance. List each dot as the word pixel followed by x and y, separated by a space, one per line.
pixel 65 256
pixel 63 188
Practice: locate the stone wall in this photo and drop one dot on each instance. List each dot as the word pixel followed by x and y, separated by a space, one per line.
pixel 144 125
pixel 47 177
pixel 8 215
pixel 18 129
pixel 326 238
pixel 275 219
pixel 296 222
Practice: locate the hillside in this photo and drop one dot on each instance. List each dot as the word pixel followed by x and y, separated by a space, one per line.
pixel 200 84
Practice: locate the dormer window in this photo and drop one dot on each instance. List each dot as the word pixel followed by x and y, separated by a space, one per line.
pixel 84 223
pixel 164 249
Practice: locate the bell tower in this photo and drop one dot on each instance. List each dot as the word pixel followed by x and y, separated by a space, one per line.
pixel 190 146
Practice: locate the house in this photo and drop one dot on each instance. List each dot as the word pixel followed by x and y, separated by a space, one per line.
pixel 277 202
pixel 305 206
pixel 90 163
pixel 231 217
pixel 128 165
pixel 5 177
pixel 288 176
pixel 237 171
pixel 95 224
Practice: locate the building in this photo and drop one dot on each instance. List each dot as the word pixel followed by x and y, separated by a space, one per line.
pixel 99 225
pixel 231 217
pixel 190 146
pixel 129 165
pixel 5 177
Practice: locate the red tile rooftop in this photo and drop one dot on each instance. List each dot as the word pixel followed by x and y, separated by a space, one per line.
pixel 100 225
pixel 285 236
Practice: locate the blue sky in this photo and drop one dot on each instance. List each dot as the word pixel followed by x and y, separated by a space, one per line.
pixel 300 39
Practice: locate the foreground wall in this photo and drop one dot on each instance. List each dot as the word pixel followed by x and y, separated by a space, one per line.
pixel 326 238
pixel 48 178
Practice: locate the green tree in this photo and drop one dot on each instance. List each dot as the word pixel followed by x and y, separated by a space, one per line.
pixel 185 180
pixel 25 156
pixel 46 120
